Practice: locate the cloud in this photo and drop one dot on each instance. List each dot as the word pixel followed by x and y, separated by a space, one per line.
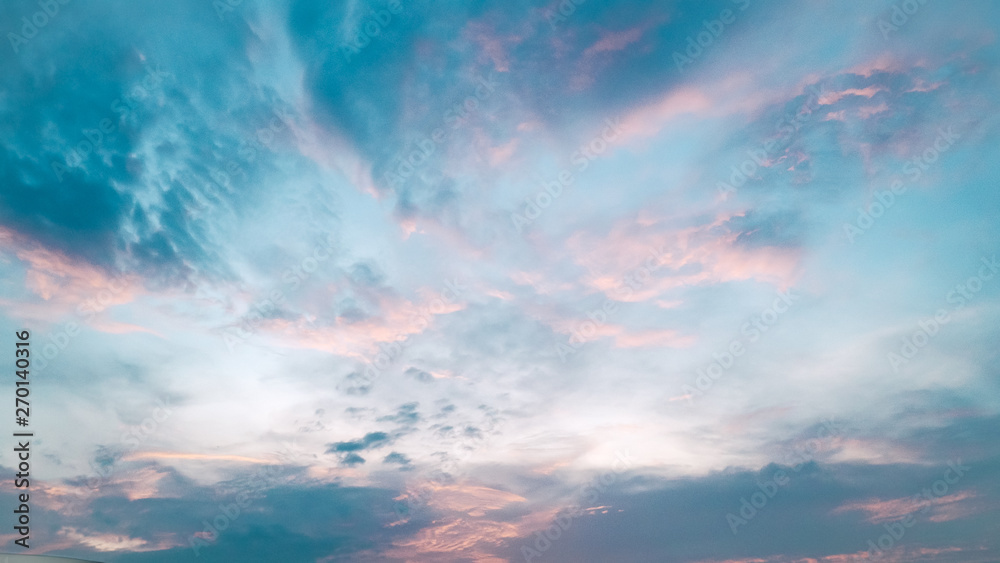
pixel 370 440
pixel 397 458
pixel 346 212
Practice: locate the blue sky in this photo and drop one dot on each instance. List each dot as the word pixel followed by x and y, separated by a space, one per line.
pixel 505 281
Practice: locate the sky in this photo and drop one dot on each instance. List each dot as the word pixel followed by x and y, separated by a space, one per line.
pixel 398 280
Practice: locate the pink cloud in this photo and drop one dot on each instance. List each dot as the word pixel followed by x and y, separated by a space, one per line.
pixel 470 499
pixel 501 154
pixel 624 337
pixel 499 294
pixel 107 542
pixel 923 86
pixel 492 46
pixel 886 62
pixel 656 338
pixel 897 554
pixel 112 327
pixel 55 277
pixel 690 256
pixel 648 121
pixel 879 511
pixel 65 287
pixel 399 319
pixel 830 98
pixel 458 537
pixel 614 41
pixel 868 111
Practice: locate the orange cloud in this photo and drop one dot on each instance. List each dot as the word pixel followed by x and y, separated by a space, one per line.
pixel 470 499
pixel 880 511
pixel 457 537
pixel 114 542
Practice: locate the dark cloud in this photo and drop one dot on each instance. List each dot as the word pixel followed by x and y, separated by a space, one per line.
pixel 397 458
pixel 352 459
pixel 284 523
pixel 359 94
pixel 137 151
pixel 688 517
pixel 418 374
pixel 367 275
pixel 370 440
pixel 356 383
pixel 406 415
